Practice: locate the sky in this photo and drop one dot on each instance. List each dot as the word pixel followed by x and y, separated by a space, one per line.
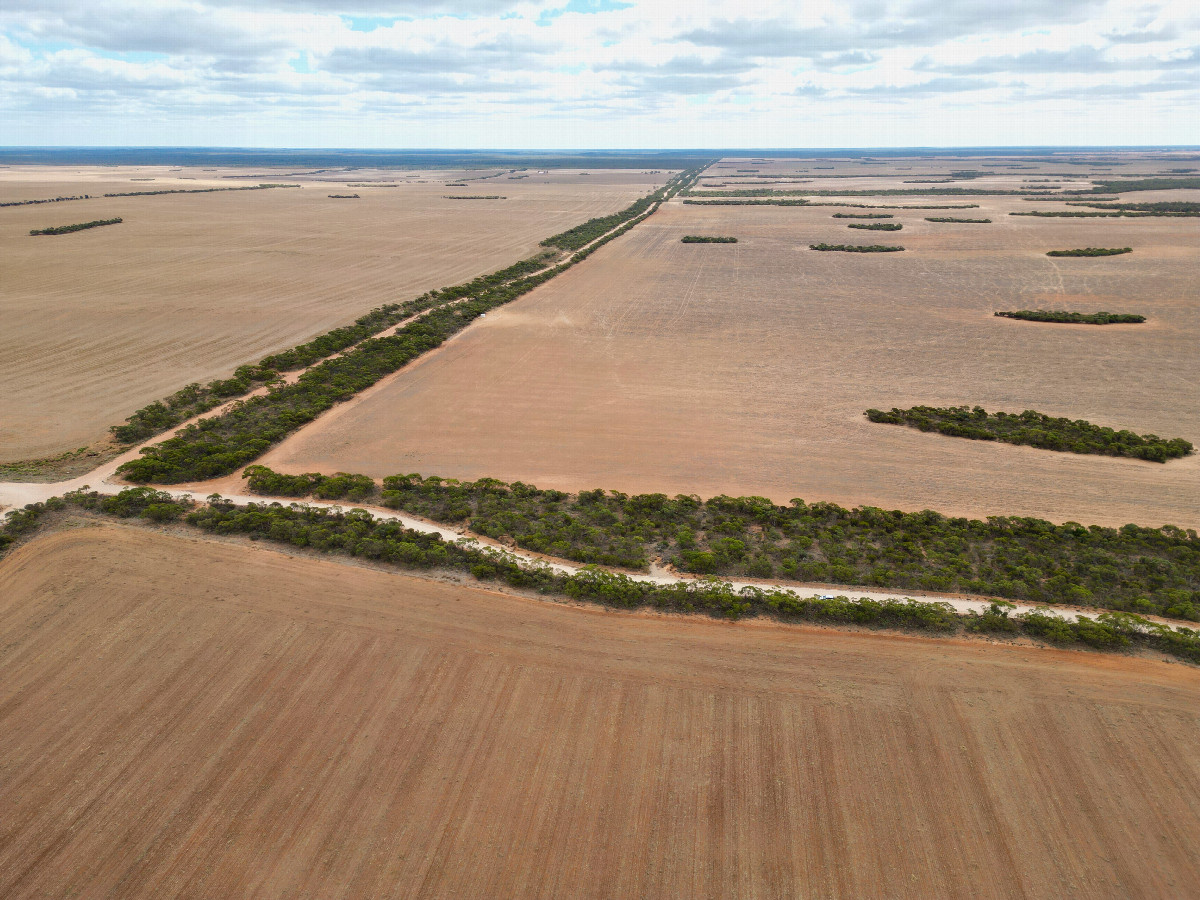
pixel 569 74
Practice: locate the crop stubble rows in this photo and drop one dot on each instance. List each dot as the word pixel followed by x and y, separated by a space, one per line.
pixel 231 720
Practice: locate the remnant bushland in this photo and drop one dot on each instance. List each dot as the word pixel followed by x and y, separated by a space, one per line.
pixel 81 226
pixel 1144 570
pixel 782 353
pixel 1035 429
pixel 1065 317
pixel 1092 251
pixel 166 699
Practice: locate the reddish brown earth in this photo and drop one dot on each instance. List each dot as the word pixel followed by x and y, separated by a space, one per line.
pixel 745 369
pixel 188 718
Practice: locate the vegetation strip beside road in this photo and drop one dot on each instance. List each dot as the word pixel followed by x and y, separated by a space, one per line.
pixel 1135 569
pixel 1073 318
pixel 219 445
pixel 1035 429
pixel 356 533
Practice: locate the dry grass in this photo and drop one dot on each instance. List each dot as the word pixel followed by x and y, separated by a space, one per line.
pixel 189 718
pixel 745 369
pixel 98 324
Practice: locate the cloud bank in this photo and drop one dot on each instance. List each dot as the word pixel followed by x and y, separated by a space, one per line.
pixel 599 73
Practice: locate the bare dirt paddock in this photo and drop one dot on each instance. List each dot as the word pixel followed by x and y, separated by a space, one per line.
pixel 745 368
pixel 188 718
pixel 98 323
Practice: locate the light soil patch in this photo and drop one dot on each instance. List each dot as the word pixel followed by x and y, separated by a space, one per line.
pixel 191 718
pixel 98 323
pixel 745 369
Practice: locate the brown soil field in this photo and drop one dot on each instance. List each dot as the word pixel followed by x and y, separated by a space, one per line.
pixel 187 718
pixel 101 322
pixel 745 369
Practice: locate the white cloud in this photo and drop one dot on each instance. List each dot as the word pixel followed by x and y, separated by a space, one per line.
pixel 600 72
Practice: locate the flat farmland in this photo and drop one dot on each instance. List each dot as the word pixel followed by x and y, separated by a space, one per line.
pixel 193 718
pixel 98 323
pixel 745 368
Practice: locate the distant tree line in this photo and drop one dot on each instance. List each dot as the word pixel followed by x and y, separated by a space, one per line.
pixel 1092 251
pixel 356 533
pixel 473 197
pixel 81 226
pixel 958 221
pixel 1073 318
pixel 855 248
pixel 863 216
pixel 876 226
pixel 45 200
pixel 706 239
pixel 211 190
pixel 804 202
pixel 219 445
pixel 344 197
pixel 1035 429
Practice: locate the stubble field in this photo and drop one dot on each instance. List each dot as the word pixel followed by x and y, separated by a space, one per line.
pixel 191 718
pixel 745 368
pixel 98 323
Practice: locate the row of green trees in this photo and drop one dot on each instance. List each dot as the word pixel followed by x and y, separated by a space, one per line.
pixel 219 445
pixel 80 226
pixel 209 190
pixel 958 221
pixel 706 239
pixel 1092 251
pixel 581 235
pixel 1035 429
pixel 856 248
pixel 356 533
pixel 804 202
pixel 341 486
pixel 1147 570
pixel 864 216
pixel 876 226
pixel 45 200
pixel 1073 318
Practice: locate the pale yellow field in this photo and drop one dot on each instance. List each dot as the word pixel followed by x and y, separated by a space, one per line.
pixel 98 323
pixel 745 369
pixel 189 718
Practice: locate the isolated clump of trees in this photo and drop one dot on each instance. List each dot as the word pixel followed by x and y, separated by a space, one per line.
pixel 855 248
pixel 876 226
pixel 1073 318
pixel 959 221
pixel 1092 251
pixel 81 226
pixel 706 239
pixel 1035 429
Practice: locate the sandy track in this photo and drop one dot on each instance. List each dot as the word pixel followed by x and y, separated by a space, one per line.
pixel 183 718
pixel 745 369
pixel 99 323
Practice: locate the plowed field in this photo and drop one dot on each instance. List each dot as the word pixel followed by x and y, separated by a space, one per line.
pixel 98 323
pixel 190 718
pixel 745 368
